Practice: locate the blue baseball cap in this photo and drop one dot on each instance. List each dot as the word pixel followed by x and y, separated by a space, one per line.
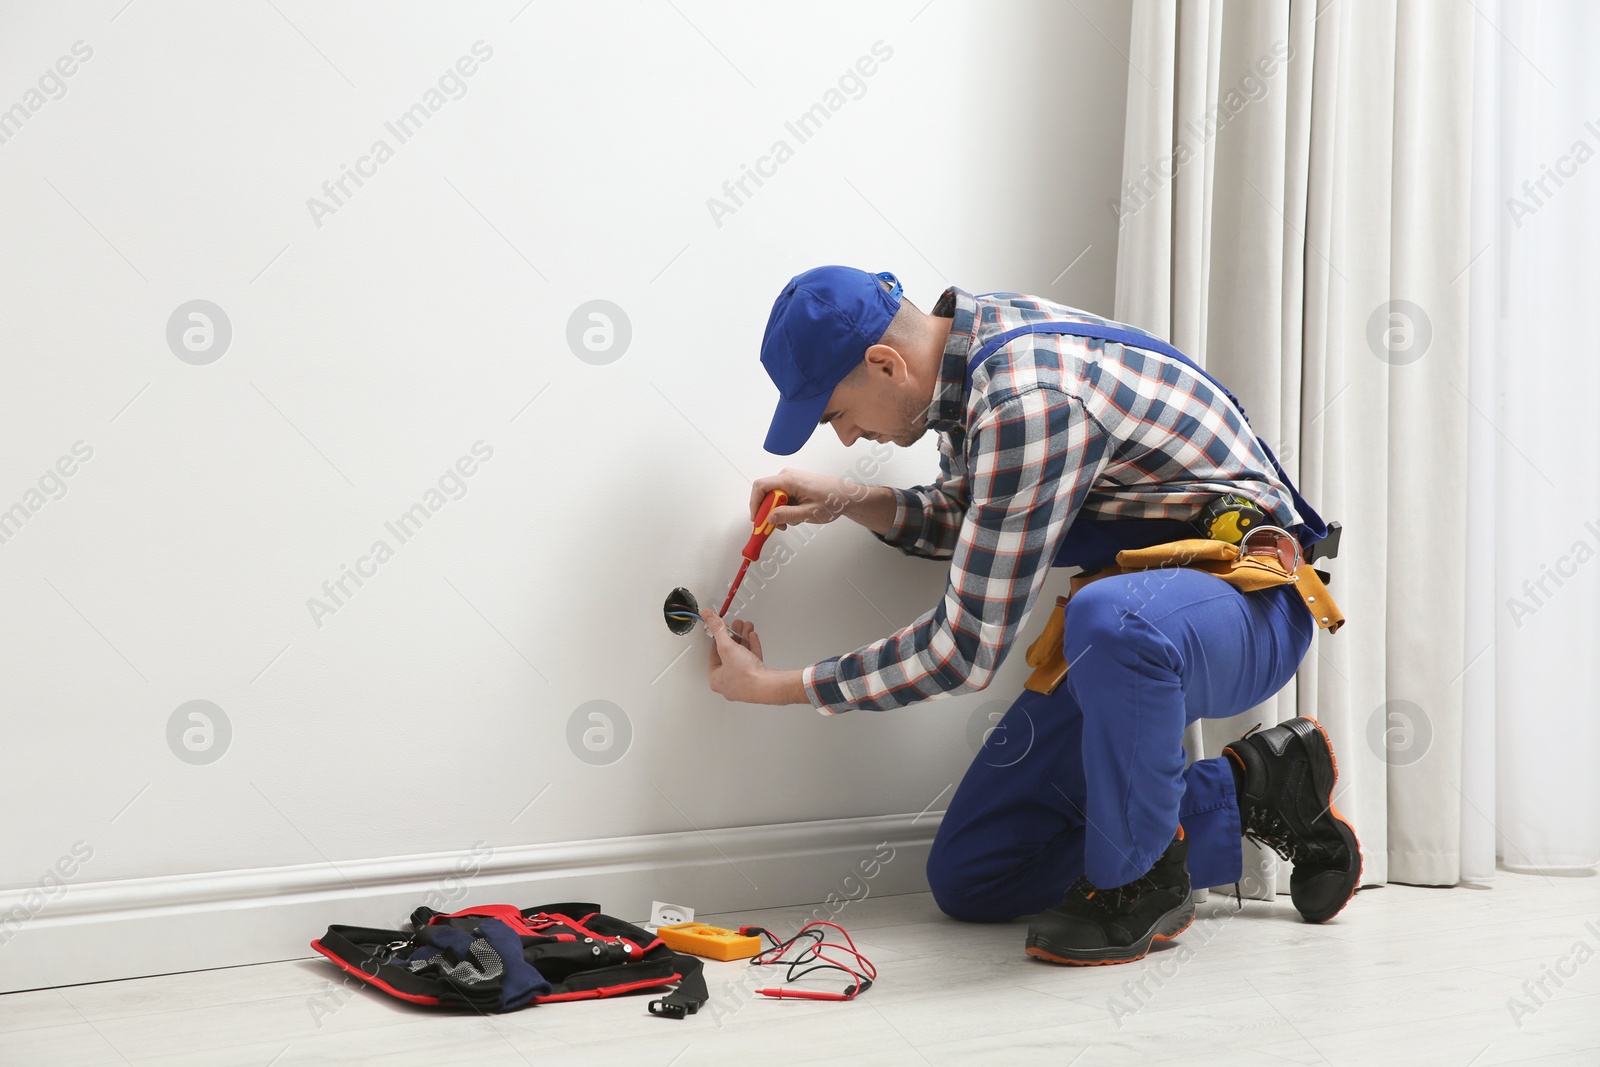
pixel 820 329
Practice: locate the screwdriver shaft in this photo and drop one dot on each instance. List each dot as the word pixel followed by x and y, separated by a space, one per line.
pixel 734 588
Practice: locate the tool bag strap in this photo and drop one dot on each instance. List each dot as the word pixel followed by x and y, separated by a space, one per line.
pixel 1311 529
pixel 690 993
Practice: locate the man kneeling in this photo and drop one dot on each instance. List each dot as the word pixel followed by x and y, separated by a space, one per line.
pixel 1064 440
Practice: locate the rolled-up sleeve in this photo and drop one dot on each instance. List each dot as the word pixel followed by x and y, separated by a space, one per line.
pixel 1033 460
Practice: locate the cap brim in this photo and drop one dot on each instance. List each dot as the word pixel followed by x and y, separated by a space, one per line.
pixel 793 424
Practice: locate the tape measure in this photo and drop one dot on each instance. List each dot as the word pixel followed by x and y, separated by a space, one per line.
pixel 1229 517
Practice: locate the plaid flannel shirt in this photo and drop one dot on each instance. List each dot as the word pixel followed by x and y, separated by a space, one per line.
pixel 1054 426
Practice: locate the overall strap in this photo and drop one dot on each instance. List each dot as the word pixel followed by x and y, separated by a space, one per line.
pixel 1315 529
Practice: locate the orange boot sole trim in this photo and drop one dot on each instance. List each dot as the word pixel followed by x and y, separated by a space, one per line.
pixel 1041 954
pixel 1361 859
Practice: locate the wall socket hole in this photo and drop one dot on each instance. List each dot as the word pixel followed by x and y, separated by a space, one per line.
pixel 681 611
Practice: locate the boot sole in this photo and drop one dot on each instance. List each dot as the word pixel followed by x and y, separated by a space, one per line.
pixel 1325 769
pixel 1166 928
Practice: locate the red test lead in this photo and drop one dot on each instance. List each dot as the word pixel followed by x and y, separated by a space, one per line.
pixel 815 953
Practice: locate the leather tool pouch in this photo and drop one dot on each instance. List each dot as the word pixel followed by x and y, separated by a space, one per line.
pixel 1249 571
pixel 1047 655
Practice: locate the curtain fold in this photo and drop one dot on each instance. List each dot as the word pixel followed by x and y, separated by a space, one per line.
pixel 1427 417
pixel 1478 847
pixel 1295 214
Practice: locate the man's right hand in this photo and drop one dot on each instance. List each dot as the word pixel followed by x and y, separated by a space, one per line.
pixel 819 498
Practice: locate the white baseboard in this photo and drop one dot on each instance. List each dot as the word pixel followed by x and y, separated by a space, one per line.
pixel 95 932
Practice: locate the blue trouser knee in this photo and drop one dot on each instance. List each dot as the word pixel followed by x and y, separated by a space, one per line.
pixel 1091 779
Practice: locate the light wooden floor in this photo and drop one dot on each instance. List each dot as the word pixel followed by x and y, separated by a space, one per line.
pixel 1405 975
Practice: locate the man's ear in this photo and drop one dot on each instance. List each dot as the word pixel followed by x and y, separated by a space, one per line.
pixel 883 360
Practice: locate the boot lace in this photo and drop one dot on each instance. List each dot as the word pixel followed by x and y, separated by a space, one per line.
pixel 1113 901
pixel 1266 827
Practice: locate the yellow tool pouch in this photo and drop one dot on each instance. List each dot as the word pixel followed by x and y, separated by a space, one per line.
pixel 1246 571
pixel 1047 655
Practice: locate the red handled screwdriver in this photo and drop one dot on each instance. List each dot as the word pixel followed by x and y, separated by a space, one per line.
pixel 758 539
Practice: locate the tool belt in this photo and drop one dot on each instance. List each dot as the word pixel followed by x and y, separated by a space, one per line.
pixel 1258 563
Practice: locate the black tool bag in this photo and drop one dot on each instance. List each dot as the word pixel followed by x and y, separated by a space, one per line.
pixel 498 958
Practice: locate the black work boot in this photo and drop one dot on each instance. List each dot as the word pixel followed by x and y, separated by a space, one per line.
pixel 1093 925
pixel 1285 778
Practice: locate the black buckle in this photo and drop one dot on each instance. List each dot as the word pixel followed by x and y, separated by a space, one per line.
pixel 1328 547
pixel 671 1009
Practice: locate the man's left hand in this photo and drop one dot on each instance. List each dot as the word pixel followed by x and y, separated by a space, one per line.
pixel 737 670
pixel 736 665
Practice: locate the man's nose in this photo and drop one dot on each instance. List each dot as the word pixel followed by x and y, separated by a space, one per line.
pixel 848 436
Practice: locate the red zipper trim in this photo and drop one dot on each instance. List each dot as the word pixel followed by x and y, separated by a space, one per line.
pixel 607 991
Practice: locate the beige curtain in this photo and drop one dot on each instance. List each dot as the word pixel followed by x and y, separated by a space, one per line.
pixel 1295 215
pixel 1531 797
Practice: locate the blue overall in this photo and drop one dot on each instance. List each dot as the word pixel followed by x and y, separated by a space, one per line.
pixel 1091 778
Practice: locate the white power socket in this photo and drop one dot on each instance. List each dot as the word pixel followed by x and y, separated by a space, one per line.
pixel 664 914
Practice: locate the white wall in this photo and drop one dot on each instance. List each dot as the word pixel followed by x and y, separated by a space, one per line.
pixel 374 345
